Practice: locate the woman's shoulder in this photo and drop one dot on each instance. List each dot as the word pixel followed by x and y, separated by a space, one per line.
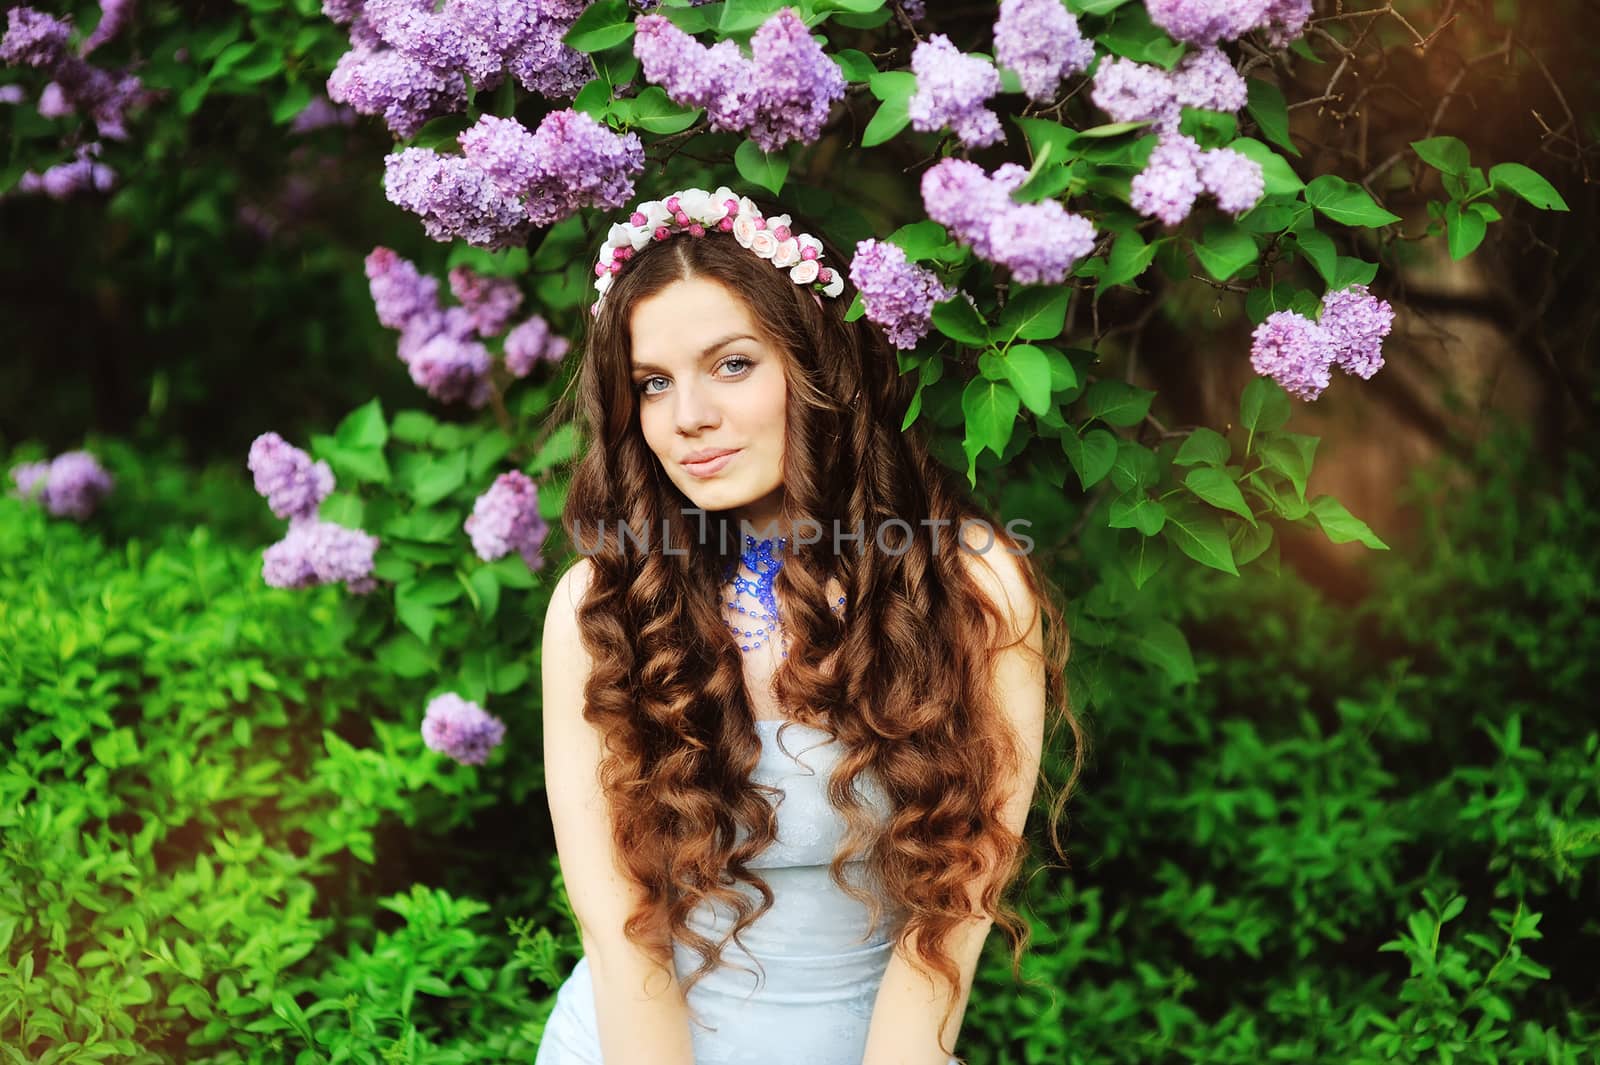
pixel 992 561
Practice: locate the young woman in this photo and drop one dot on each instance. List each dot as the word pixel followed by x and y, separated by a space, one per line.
pixel 796 688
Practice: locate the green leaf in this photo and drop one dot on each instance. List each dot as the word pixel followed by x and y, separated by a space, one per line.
pixel 602 25
pixel 1318 248
pixel 1130 256
pixel 1464 230
pixel 1116 402
pixel 1143 558
pixel 1036 313
pixel 1203 446
pixel 1135 510
pixel 761 168
pixel 363 427
pixel 1267 106
pixel 594 99
pixel 439 478
pixel 855 64
pixel 652 110
pixel 1279 177
pixel 291 103
pixel 1290 454
pixel 1341 526
pixel 1249 540
pixel 487 450
pixel 1527 183
pixel 894 88
pixel 1216 487
pixel 1162 644
pixel 1027 369
pixel 1264 405
pixel 484 590
pixel 1446 154
pixel 1198 532
pixel 1210 129
pixel 960 321
pixel 1346 203
pixel 1133 35
pixel 920 240
pixel 1044 135
pixel 1225 249
pixel 990 409
pixel 1352 271
pixel 1136 467
pixel 1092 454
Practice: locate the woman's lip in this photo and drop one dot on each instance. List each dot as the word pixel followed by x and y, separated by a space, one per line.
pixel 710 466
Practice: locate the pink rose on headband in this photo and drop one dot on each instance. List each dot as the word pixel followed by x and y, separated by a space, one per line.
pixel 744 229
pixel 764 244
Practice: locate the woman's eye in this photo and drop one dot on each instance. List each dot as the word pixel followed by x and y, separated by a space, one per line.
pixel 740 365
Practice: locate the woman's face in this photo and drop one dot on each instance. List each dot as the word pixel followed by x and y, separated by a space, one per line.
pixel 708 383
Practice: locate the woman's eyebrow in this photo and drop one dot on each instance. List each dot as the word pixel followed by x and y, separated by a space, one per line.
pixel 705 352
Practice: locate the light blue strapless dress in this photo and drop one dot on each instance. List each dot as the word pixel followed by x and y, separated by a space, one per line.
pixel 802 991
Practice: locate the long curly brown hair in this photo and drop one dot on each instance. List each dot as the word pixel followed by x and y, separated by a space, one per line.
pixel 900 680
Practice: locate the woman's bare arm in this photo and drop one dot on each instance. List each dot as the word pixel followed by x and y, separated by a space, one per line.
pixel 643 1017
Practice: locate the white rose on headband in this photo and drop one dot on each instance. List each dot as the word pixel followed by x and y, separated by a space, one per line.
pixel 721 197
pixel 835 285
pixel 603 283
pixel 744 229
pixel 774 221
pixel 787 253
pixel 808 241
pixel 748 206
pixel 804 272
pixel 620 236
pixel 694 202
pixel 655 215
pixel 764 243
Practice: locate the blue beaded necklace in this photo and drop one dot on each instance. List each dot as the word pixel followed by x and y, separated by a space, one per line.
pixel 759 559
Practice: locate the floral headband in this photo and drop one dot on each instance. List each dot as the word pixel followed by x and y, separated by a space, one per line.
pixel 698 212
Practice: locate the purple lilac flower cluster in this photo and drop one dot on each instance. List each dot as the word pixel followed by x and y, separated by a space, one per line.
pixel 782 93
pixel 1298 353
pixel 460 729
pixel 313 551
pixel 83 173
pixel 506 518
pixel 35 39
pixel 71 485
pixel 1209 21
pixel 409 62
pixel 507 179
pixel 442 346
pixel 952 88
pixel 1041 41
pixel 898 294
pixel 533 342
pixel 1038 242
pixel 1178 170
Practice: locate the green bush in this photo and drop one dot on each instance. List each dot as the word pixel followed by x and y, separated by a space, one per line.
pixel 201 775
pixel 1359 835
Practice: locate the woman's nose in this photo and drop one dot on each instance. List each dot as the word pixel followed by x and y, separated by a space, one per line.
pixel 695 410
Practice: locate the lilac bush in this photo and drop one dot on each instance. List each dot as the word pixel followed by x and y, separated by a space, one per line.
pixel 952 88
pixel 898 294
pixel 71 485
pixel 461 729
pixel 506 518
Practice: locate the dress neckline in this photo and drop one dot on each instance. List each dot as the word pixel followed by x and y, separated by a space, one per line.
pixel 771 721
